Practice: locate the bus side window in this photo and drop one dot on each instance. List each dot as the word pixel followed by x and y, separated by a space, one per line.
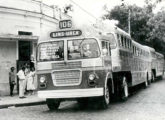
pixel 122 41
pixel 130 44
pixel 109 49
pixel 119 39
pixel 135 51
pixel 105 48
pixel 126 42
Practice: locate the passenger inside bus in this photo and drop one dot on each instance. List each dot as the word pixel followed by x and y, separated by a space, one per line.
pixel 82 49
pixel 86 51
pixel 60 53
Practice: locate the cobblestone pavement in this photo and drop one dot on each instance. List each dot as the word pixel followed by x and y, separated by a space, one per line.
pixel 145 104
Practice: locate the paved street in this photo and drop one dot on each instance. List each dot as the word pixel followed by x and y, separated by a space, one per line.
pixel 145 104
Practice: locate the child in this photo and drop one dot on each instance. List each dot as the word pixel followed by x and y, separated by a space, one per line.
pixel 11 80
pixel 30 81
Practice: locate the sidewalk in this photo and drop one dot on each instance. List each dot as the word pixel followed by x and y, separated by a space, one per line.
pixel 15 101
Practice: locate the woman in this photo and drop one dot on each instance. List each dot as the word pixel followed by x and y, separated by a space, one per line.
pixel 30 81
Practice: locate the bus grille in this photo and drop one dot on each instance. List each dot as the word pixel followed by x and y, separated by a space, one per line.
pixel 66 78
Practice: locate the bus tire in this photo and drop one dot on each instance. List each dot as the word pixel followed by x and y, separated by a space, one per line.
pixel 52 104
pixel 105 99
pixel 124 91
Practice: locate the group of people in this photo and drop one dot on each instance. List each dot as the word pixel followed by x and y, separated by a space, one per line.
pixel 26 80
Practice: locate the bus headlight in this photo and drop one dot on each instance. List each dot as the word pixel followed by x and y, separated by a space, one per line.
pixel 92 77
pixel 42 79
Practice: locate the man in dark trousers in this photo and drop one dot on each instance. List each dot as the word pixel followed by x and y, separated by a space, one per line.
pixel 12 80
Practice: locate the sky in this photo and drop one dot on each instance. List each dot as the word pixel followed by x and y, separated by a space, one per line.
pixel 92 9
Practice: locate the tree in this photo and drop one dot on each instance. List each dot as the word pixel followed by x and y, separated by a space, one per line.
pixel 146 27
pixel 138 19
pixel 157 27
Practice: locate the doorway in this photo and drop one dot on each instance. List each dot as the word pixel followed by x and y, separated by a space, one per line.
pixel 24 55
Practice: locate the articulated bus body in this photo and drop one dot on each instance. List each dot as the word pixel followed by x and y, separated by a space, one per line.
pixel 130 60
pixel 159 65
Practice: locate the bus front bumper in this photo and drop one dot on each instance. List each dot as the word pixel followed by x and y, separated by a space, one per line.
pixel 71 93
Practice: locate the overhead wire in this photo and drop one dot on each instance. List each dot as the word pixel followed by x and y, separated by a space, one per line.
pixel 83 9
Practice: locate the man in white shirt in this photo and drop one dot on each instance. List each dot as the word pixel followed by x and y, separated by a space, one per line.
pixel 21 76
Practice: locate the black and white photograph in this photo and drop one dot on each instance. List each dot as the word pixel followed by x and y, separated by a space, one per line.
pixel 82 60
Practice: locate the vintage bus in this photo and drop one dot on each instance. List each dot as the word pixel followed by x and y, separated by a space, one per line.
pixel 75 64
pixel 131 63
pixel 88 61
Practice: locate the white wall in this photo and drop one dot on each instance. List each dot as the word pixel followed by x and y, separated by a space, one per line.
pixel 7 60
pixel 26 17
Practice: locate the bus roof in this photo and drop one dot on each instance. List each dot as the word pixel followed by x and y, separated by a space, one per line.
pixel 159 54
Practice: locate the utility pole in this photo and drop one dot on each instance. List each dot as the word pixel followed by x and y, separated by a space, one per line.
pixel 129 21
pixel 129 17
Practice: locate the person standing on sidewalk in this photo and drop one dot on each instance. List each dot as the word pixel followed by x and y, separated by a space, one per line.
pixel 21 76
pixel 30 81
pixel 12 80
pixel 27 70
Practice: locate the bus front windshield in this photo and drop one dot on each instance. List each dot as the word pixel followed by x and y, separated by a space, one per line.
pixel 83 49
pixel 51 51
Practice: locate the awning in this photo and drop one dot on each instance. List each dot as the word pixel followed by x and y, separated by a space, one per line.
pixel 19 37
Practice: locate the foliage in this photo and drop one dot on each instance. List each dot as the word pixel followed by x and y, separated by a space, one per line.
pixel 157 27
pixel 138 19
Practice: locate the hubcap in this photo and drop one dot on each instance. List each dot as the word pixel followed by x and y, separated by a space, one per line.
pixel 146 83
pixel 107 95
pixel 125 87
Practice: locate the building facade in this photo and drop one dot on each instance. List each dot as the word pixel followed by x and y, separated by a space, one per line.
pixel 23 23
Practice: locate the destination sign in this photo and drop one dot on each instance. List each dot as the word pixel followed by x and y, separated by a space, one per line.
pixel 65 24
pixel 68 33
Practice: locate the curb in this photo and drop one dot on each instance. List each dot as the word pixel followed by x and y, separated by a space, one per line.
pixel 22 104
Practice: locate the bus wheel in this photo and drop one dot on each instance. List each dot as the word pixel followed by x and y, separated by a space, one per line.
pixel 124 89
pixel 105 99
pixel 52 104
